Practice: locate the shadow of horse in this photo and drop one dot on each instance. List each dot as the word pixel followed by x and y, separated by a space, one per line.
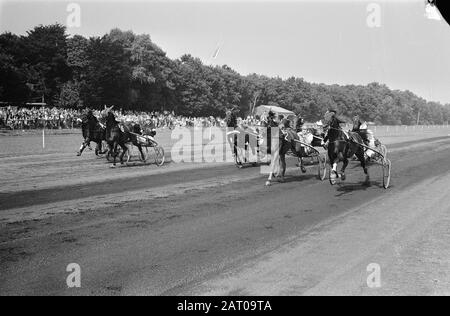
pixel 350 188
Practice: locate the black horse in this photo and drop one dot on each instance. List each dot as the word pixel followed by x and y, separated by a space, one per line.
pixel 116 137
pixel 343 147
pixel 97 134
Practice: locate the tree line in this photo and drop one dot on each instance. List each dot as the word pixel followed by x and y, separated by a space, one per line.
pixel 131 72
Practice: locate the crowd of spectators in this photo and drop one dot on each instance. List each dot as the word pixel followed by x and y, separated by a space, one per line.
pixel 25 118
pixel 15 118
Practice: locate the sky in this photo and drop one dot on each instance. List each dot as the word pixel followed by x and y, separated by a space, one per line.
pixel 321 41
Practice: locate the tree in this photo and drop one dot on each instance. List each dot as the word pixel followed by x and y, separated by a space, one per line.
pixel 108 74
pixel 131 72
pixel 13 73
pixel 46 57
pixel 70 96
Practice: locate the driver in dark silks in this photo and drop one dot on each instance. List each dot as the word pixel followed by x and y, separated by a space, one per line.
pixel 300 122
pixel 88 125
pixel 357 128
pixel 271 123
pixel 328 117
pixel 231 121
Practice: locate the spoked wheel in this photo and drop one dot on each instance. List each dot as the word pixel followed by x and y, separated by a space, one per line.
pixel 387 165
pixel 322 167
pixel 159 156
pixel 384 151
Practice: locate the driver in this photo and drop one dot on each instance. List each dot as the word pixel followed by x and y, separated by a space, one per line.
pixel 361 128
pixel 299 124
pixel 329 115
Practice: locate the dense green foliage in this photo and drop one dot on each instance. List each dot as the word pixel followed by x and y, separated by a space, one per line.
pixel 131 72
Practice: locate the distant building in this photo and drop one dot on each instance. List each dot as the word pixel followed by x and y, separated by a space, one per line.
pixel 264 110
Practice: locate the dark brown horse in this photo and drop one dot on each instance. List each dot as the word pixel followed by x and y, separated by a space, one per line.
pixel 116 137
pixel 96 135
pixel 341 148
pixel 287 142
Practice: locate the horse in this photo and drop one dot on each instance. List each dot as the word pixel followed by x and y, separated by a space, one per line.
pixel 115 137
pixel 244 138
pixel 98 135
pixel 287 141
pixel 341 148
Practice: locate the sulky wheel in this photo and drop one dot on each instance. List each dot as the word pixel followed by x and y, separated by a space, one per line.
pixel 384 151
pixel 387 165
pixel 160 157
pixel 322 167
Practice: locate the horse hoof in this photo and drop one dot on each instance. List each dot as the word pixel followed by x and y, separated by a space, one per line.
pixel 303 169
pixel 333 178
pixel 343 177
pixel 268 184
pixel 78 154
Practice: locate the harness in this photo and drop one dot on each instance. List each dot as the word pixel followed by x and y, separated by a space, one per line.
pixel 347 136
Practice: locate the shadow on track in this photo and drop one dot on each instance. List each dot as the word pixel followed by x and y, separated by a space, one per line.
pixel 350 188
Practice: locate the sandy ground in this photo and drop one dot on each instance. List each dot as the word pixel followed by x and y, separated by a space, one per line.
pixel 405 234
pixel 215 229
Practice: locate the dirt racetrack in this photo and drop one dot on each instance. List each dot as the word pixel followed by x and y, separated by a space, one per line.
pixel 215 229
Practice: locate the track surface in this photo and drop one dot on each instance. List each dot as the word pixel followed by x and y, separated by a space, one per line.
pixel 202 229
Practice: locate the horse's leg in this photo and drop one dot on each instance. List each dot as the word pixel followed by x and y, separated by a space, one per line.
pixel 98 148
pixel 124 151
pixel 269 180
pixel 102 147
pixel 115 153
pixel 82 148
pixel 273 166
pixel 362 158
pixel 141 151
pixel 344 167
pixel 283 166
pixel 334 160
pixel 88 142
pixel 334 166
